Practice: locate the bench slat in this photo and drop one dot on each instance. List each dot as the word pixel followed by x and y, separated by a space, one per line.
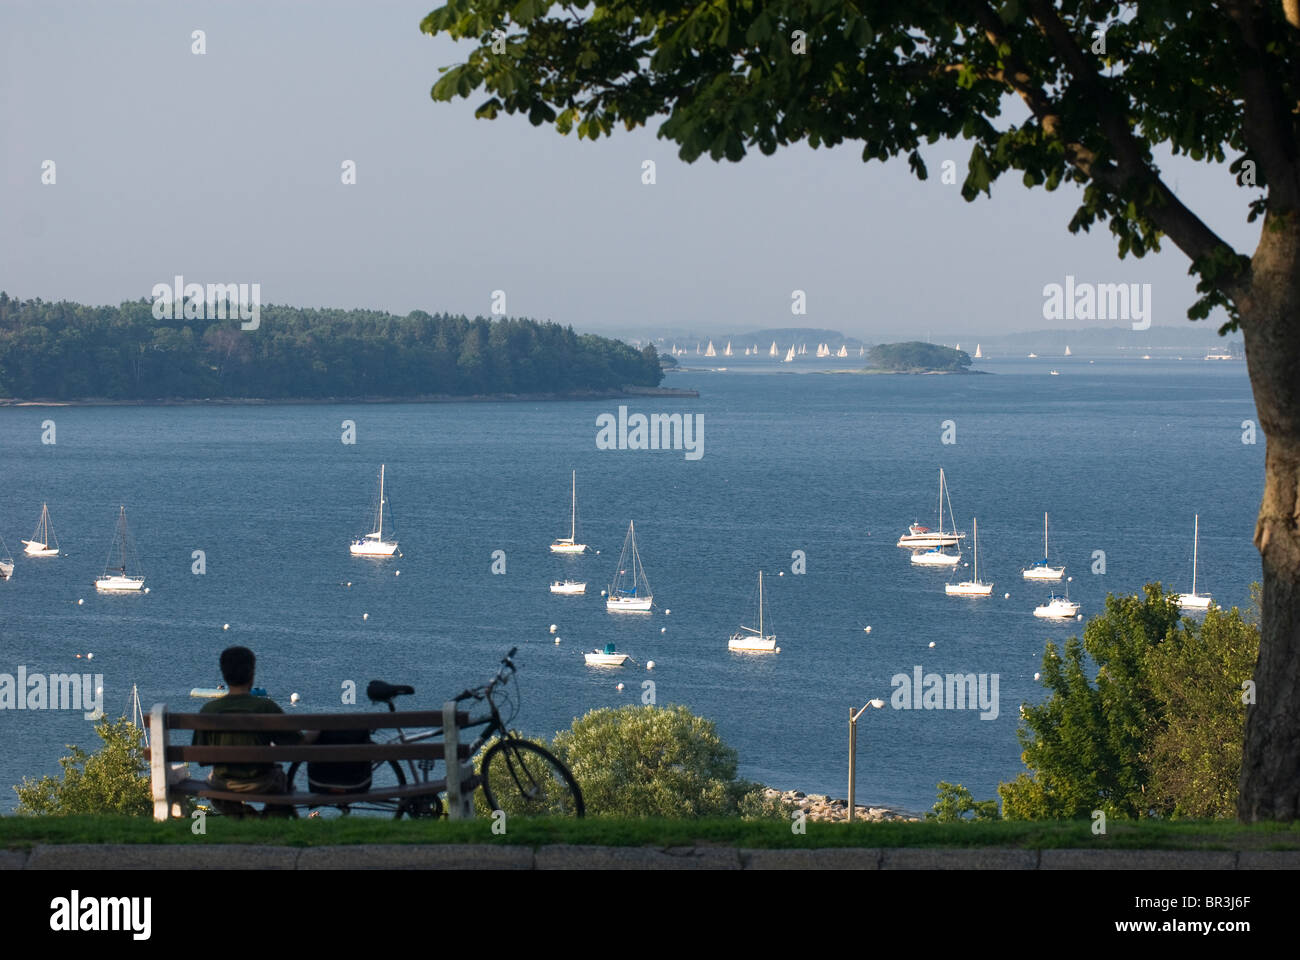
pixel 309 721
pixel 199 788
pixel 291 753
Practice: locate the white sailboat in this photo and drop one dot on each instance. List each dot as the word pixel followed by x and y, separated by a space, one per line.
pixel 1194 600
pixel 773 352
pixel 751 639
pixel 727 352
pixel 935 558
pixel 6 561
pixel 118 581
pixel 1042 570
pixel 608 657
pixel 862 351
pixel 39 544
pixel 374 544
pixel 1067 350
pixel 569 587
pixel 1058 607
pixel 919 536
pixel 978 355
pixel 971 588
pixel 630 591
pixel 570 543
pixel 789 357
pixel 710 352
pixel 844 350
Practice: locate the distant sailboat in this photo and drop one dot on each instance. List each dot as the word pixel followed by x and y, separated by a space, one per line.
pixel 789 357
pixel 373 544
pixel 978 355
pixel 727 352
pixel 39 544
pixel 971 588
pixel 862 351
pixel 773 352
pixel 747 351
pixel 570 543
pixel 710 352
pixel 1067 350
pixel 844 351
pixel 119 581
pixel 6 561
pixel 1194 600
pixel 1042 570
pixel 751 639
pixel 630 592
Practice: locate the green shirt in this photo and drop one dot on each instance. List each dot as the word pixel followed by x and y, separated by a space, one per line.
pixel 242 703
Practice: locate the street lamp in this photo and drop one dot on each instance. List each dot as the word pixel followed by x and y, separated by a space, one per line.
pixel 853 744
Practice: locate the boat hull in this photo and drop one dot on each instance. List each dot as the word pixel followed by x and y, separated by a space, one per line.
pixel 33 549
pixel 568 548
pixel 605 659
pixel 752 644
pixel 1043 573
pixel 372 548
pixel 936 559
pixel 629 604
pixel 1057 611
pixel 968 589
pixel 119 584
pixel 6 569
pixel 916 540
pixel 1194 601
pixel 568 588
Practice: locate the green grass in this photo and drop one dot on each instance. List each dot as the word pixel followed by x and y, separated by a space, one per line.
pixel 23 832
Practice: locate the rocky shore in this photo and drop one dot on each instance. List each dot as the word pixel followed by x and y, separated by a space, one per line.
pixel 820 806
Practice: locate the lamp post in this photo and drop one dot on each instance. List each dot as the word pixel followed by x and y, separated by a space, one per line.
pixel 853 745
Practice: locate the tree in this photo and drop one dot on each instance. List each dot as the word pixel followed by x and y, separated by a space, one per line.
pixel 955 801
pixel 656 762
pixel 114 780
pixel 1103 84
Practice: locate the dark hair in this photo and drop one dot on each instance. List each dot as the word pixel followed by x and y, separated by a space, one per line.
pixel 237 665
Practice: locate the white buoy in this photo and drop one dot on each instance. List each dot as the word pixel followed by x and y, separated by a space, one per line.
pixel 365 616
pixel 663 629
pixel 866 629
pixel 99 691
pixel 649 664
pixel 397 573
pixel 349 583
pixel 225 626
pixel 90 656
pixel 80 602
pixel 146 589
pixel 932 644
pixel 781 574
pixel 602 593
pixel 1006 596
pixel 666 612
pixel 1078 616
pixel 1035 676
pixel 557 640
pixel 294 698
pixel 778 649
pixel 619 687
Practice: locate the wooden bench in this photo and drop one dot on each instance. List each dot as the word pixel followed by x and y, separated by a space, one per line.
pixel 167 758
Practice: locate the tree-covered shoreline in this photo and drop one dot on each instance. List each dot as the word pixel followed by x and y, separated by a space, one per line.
pixel 64 351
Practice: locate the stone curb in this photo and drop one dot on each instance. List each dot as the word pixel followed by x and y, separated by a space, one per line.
pixel 589 857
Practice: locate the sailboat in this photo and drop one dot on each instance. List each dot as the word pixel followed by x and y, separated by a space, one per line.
pixel 374 544
pixel 971 588
pixel 1058 607
pixel 773 352
pixel 119 581
pixel 789 357
pixel 978 355
pixel 710 352
pixel 6 561
pixel 630 592
pixel 1194 600
pixel 919 536
pixel 1042 570
pixel 1067 350
pixel 570 543
pixel 727 352
pixel 844 350
pixel 750 639
pixel 39 544
pixel 862 351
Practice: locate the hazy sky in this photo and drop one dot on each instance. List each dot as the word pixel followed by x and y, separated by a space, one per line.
pixel 226 167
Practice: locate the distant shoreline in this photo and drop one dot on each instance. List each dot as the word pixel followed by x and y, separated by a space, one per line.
pixel 625 394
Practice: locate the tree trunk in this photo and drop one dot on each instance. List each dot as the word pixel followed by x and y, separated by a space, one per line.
pixel 1270 767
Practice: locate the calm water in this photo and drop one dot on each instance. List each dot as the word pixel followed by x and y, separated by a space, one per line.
pixel 1121 454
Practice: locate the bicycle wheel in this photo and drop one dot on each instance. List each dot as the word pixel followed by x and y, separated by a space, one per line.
pixel 522 779
pixel 386 773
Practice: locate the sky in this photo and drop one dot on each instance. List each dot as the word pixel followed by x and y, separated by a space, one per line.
pixel 227 167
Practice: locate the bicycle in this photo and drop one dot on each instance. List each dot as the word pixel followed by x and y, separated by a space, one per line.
pixel 519 777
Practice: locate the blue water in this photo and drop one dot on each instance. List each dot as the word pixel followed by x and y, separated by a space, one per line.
pixel 1121 453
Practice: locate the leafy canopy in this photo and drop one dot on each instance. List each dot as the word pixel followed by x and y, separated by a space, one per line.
pixel 113 780
pixel 1099 83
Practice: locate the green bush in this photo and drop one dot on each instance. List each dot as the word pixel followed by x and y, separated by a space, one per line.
pixel 955 801
pixel 114 780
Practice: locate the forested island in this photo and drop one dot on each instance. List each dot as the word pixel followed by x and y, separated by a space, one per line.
pixel 917 357
pixel 67 352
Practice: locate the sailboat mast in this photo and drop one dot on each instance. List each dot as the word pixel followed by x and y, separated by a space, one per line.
pixel 975 531
pixel 380 529
pixel 940 501
pixel 1196 543
pixel 573 514
pixel 1044 537
pixel 760 604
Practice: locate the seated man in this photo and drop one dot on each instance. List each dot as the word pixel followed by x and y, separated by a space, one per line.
pixel 237 665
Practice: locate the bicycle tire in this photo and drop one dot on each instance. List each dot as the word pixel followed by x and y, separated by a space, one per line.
pixel 396 807
pixel 514 771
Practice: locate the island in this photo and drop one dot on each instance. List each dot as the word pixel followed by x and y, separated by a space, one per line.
pixel 916 357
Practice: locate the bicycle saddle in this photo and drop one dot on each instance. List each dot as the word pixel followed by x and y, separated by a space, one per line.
pixel 380 692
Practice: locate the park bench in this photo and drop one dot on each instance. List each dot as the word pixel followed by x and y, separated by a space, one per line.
pixel 169 776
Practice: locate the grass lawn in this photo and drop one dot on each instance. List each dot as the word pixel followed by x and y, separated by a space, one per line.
pixel 22 832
